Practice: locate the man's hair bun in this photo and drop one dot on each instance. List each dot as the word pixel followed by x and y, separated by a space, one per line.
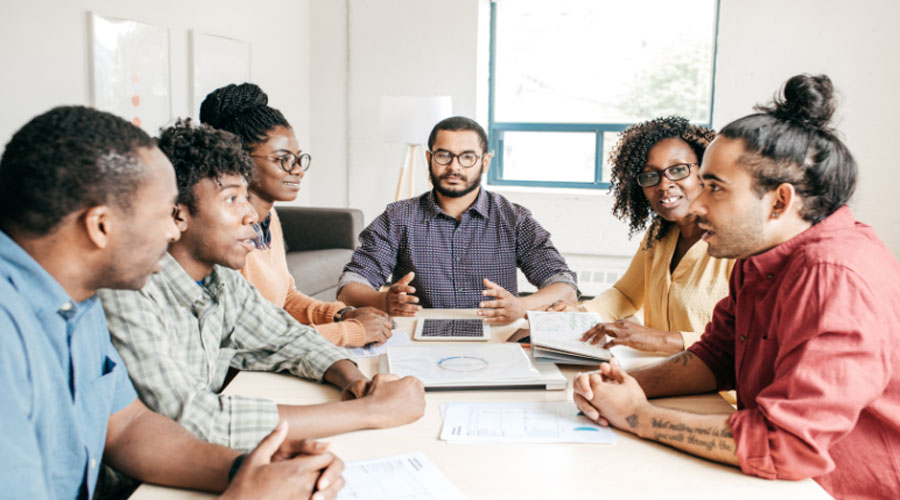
pixel 807 100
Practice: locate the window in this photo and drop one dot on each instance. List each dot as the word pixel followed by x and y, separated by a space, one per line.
pixel 568 75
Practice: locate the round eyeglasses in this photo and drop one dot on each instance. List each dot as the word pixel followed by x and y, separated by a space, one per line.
pixel 466 159
pixel 289 161
pixel 673 173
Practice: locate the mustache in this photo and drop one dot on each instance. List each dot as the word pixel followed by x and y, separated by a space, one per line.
pixel 703 220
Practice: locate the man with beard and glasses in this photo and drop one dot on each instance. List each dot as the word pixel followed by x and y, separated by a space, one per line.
pixel 809 331
pixel 457 246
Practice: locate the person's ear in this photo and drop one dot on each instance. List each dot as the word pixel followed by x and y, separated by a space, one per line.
pixel 427 159
pixel 181 216
pixel 486 162
pixel 98 224
pixel 784 200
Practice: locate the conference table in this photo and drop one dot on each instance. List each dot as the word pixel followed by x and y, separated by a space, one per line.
pixel 630 468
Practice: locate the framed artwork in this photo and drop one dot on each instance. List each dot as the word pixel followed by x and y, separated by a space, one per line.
pixel 216 61
pixel 130 74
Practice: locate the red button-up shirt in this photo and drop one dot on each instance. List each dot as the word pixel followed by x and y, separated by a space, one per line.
pixel 809 336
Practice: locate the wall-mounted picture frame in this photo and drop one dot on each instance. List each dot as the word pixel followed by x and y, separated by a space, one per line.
pixel 216 61
pixel 130 74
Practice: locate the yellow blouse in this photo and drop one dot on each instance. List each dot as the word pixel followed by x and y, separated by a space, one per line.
pixel 681 301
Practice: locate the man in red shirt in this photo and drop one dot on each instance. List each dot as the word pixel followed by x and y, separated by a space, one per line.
pixel 809 334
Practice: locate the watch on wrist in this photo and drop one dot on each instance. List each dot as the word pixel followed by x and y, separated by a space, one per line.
pixel 339 316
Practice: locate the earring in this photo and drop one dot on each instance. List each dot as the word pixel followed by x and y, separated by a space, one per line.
pixel 775 215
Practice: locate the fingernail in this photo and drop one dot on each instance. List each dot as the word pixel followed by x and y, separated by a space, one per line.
pixel 323 484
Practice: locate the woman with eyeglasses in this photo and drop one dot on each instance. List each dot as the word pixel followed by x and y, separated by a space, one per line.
pixel 279 168
pixel 671 277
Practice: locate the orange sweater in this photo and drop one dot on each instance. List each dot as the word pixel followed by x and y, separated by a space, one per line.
pixel 267 270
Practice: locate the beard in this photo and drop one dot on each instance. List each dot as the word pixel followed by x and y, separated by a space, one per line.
pixel 471 185
pixel 740 238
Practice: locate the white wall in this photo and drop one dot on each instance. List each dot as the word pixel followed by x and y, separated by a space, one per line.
pixel 762 43
pixel 44 52
pixel 431 47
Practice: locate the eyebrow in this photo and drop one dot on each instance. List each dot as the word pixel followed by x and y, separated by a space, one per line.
pixel 223 187
pixel 713 177
pixel 451 152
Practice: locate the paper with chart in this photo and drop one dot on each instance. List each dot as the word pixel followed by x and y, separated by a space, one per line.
pixel 399 337
pixel 410 476
pixel 558 335
pixel 546 422
pixel 460 364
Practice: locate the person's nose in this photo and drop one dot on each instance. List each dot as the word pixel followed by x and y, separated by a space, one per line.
pixel 698 206
pixel 250 215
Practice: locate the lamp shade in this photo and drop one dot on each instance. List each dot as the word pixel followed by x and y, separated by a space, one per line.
pixel 409 120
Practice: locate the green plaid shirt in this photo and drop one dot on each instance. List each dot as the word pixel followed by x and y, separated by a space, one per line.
pixel 178 339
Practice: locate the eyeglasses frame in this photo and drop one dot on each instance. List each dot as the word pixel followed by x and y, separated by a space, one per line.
pixel 665 172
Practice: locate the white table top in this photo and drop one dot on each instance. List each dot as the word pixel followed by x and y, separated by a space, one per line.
pixel 631 468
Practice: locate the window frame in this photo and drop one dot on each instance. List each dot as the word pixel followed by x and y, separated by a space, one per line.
pixel 496 130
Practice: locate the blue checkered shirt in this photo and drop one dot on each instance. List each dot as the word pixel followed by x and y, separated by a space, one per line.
pixel 450 256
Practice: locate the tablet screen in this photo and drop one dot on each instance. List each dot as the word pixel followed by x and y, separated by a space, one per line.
pixel 437 328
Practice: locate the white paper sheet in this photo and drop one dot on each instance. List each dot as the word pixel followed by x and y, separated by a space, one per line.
pixel 452 364
pixel 549 422
pixel 399 337
pixel 410 476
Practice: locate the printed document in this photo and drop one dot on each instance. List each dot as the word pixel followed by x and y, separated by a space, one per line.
pixel 556 336
pixel 410 476
pixel 546 422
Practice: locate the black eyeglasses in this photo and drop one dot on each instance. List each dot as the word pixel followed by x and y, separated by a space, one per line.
pixel 674 173
pixel 466 159
pixel 290 160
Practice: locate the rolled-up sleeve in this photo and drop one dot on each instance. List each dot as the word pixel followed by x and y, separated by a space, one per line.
pixel 375 259
pixel 829 365
pixel 539 260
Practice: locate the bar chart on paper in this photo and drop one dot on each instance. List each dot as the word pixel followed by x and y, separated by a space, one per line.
pixel 409 476
pixel 557 422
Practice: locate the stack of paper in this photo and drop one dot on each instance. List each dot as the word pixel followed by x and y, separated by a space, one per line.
pixel 556 422
pixel 556 337
pixel 410 476
pixel 462 366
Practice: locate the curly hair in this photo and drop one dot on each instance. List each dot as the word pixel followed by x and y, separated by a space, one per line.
pixel 199 152
pixel 68 159
pixel 242 110
pixel 628 158
pixel 791 141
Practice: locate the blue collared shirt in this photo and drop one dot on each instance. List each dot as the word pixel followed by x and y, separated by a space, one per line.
pixel 450 257
pixel 61 380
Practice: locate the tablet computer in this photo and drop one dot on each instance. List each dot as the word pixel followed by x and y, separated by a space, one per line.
pixel 451 329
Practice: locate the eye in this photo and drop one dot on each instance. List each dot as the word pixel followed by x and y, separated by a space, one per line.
pixel 442 155
pixel 469 157
pixel 713 188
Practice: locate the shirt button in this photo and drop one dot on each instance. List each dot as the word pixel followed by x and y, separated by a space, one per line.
pixel 93 463
pixel 770 276
pixel 459 259
pixel 743 338
pixel 66 307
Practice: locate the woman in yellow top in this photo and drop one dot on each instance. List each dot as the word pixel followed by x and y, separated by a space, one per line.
pixel 672 277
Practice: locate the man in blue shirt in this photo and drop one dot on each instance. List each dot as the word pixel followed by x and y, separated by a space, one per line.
pixel 457 246
pixel 86 202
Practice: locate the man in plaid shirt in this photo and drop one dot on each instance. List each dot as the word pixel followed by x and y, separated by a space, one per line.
pixel 457 246
pixel 197 317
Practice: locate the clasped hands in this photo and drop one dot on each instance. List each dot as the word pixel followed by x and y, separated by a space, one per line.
pixel 284 468
pixel 610 396
pixel 502 309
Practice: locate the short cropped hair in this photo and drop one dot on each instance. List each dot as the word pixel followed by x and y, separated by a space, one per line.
pixel 199 152
pixel 458 123
pixel 791 141
pixel 68 159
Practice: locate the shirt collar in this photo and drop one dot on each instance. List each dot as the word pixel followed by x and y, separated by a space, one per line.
pixel 773 260
pixel 44 293
pixel 479 206
pixel 263 240
pixel 187 291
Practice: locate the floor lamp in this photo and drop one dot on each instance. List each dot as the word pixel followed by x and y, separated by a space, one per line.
pixel 408 120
